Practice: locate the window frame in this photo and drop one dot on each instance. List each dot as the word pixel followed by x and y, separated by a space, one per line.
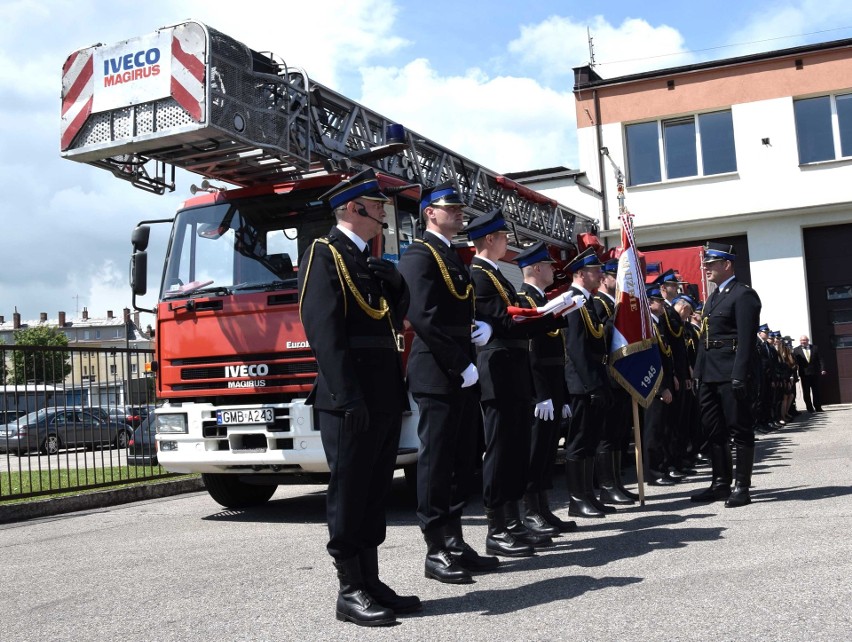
pixel 834 122
pixel 663 152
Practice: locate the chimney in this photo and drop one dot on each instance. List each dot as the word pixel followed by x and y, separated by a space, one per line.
pixel 16 320
pixel 61 319
pixel 2 319
pixel 42 317
pixel 126 313
pixel 135 319
pixel 85 313
pixel 109 314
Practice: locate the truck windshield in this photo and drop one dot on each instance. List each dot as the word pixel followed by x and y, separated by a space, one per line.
pixel 251 245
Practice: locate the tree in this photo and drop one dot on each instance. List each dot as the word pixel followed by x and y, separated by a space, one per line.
pixel 50 365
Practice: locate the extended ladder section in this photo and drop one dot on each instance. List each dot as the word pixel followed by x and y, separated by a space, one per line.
pixel 191 97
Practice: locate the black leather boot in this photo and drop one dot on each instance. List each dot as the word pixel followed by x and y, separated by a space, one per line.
pixel 745 463
pixel 499 541
pixel 354 604
pixel 440 565
pixel 578 503
pixel 463 553
pixel 610 492
pixel 550 518
pixel 381 592
pixel 617 457
pixel 533 518
pixel 515 525
pixel 590 489
pixel 720 485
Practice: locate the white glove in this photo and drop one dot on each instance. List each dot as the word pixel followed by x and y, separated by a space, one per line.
pixel 481 333
pixel 566 411
pixel 578 301
pixel 544 410
pixel 470 376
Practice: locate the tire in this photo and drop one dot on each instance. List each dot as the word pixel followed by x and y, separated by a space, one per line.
pixel 121 439
pixel 231 492
pixel 51 444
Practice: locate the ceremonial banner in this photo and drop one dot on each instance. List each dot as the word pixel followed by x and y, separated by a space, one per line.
pixel 634 358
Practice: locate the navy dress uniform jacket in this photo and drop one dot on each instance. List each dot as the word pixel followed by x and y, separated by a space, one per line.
pixel 586 346
pixel 356 354
pixel 726 349
pixel 547 355
pixel 441 318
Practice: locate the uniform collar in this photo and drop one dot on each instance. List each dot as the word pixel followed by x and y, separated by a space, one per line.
pixel 357 240
pixel 443 238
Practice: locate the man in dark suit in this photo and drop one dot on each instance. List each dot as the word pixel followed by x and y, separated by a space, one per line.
pixel 588 386
pixel 506 391
pixel 726 367
pixel 352 307
pixel 809 365
pixel 547 364
pixel 443 379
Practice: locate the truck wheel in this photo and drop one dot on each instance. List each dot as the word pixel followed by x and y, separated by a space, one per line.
pixel 230 492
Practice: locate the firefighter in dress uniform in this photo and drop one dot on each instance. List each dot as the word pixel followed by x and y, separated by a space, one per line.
pixel 657 437
pixel 506 394
pixel 726 368
pixel 352 307
pixel 443 379
pixel 547 365
pixel 617 420
pixel 588 387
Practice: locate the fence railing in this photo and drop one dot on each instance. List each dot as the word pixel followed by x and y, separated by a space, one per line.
pixel 75 418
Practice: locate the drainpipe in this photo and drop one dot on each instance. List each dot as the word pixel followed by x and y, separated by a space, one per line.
pixel 599 136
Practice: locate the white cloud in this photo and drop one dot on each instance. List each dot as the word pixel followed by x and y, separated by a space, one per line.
pixel 556 45
pixel 504 123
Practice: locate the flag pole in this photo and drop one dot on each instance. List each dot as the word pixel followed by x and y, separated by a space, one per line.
pixel 637 441
pixel 637 433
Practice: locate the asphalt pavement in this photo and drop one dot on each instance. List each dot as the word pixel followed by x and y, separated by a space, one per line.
pixel 183 568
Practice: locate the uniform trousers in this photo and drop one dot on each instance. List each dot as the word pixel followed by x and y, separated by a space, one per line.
pixel 507 449
pixel 810 386
pixel 724 416
pixel 361 468
pixel 545 441
pixel 616 423
pixel 446 461
pixel 586 426
pixel 656 436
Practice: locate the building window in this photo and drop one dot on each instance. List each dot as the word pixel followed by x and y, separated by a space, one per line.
pixel 700 145
pixel 85 370
pixel 133 368
pixel 113 369
pixel 823 126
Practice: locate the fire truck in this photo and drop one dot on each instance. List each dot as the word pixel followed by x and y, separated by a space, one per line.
pixel 232 364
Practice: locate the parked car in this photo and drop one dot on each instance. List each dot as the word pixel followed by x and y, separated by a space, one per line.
pixel 50 429
pixel 142 448
pixel 131 415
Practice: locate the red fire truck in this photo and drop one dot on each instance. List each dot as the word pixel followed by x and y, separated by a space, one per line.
pixel 232 364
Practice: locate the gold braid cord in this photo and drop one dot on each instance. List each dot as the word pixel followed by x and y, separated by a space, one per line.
pixel 604 304
pixel 666 350
pixel 598 332
pixel 343 273
pixel 446 274
pixel 676 335
pixel 497 285
pixel 307 276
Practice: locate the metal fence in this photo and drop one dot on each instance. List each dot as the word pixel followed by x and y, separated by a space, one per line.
pixel 75 418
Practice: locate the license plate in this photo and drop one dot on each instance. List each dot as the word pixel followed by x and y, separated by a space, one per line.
pixel 245 416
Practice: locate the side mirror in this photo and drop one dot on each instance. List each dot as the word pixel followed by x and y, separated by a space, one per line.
pixel 139 238
pixel 139 272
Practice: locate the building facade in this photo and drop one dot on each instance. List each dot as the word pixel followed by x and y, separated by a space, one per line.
pixel 754 150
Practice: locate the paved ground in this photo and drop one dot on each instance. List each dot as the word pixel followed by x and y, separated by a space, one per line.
pixel 179 568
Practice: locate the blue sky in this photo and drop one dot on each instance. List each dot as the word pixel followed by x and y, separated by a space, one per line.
pixel 491 80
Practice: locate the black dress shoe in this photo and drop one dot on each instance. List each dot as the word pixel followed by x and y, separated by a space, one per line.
pixel 662 481
pixel 442 566
pixel 739 497
pixel 473 561
pixel 505 545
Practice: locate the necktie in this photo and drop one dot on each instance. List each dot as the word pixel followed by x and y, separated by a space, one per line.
pixel 807 352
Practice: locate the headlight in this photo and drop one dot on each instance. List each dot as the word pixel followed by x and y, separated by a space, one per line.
pixel 171 423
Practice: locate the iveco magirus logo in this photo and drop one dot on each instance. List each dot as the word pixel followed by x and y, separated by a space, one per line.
pixel 258 370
